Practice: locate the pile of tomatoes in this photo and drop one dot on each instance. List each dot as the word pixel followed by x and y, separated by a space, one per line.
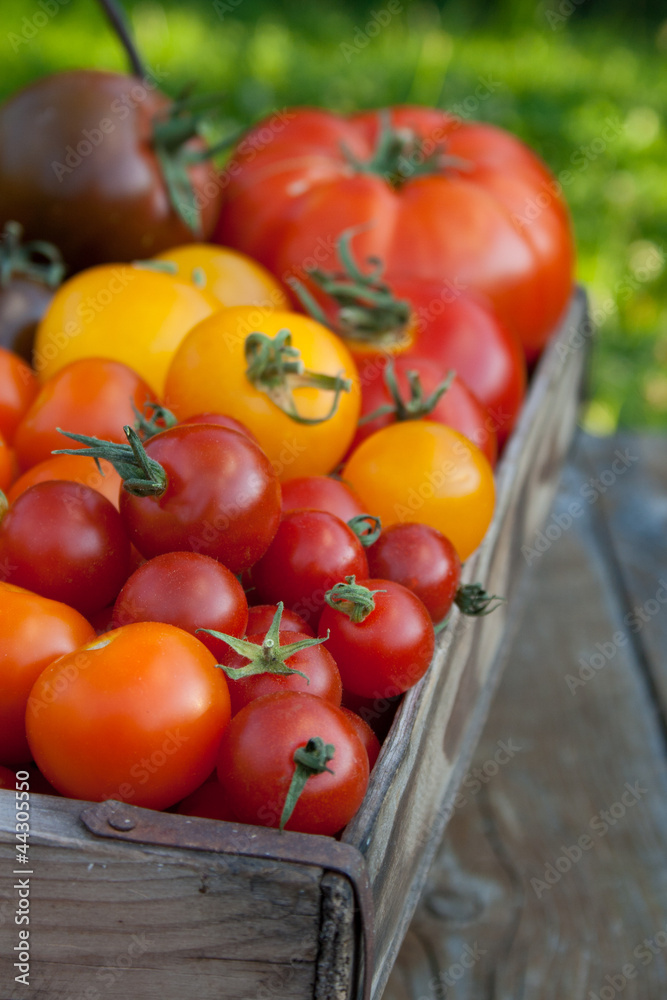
pixel 240 480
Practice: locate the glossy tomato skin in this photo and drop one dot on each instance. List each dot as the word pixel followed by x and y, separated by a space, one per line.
pixel 260 617
pixel 18 388
pixel 323 678
pixel 91 396
pixel 256 763
pixel 469 223
pixel 321 493
pixel 365 734
pixel 233 278
pixel 312 551
pixel 421 559
pixel 92 161
pixel 458 408
pixel 35 632
pixel 135 715
pixel 186 589
pixel 208 372
pixel 75 468
pixel 65 541
pixel 390 650
pixel 222 497
pixel 422 471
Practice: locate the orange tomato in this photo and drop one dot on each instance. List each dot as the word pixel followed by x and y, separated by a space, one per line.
pixel 75 469
pixel 18 388
pixel 232 277
pixel 6 465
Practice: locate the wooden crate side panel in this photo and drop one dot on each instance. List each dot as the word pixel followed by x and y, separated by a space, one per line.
pixel 121 920
pixel 411 795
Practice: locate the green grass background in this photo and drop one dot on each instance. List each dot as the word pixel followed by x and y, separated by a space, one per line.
pixel 582 82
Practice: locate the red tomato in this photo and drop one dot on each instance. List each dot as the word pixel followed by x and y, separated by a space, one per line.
pixel 18 388
pixel 261 615
pixel 90 396
pixel 67 542
pixel 458 407
pixel 387 650
pixel 208 801
pixel 186 589
pixel 312 550
pixel 449 201
pixel 35 631
pixel 322 493
pixel 7 779
pixel 256 763
pixel 421 559
pixel 136 715
pixel 365 734
pixel 223 421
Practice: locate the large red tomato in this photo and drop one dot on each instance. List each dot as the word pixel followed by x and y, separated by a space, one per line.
pixel 443 200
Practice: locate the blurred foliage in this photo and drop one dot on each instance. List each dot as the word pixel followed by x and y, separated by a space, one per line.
pixel 580 80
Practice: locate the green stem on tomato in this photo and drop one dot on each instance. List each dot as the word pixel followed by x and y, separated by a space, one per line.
pixel 367 528
pixel 142 476
pixel 309 760
pixel 414 408
pixel 352 599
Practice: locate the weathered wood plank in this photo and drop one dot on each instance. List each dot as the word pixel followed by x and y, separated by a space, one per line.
pixel 507 914
pixel 435 731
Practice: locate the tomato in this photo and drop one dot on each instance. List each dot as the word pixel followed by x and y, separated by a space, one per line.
pixel 18 388
pixel 29 273
pixel 312 550
pixel 233 278
pixel 207 801
pixel 380 635
pixel 365 734
pixel 412 398
pixel 129 314
pixel 6 465
pixel 7 779
pixel 65 541
pixel 261 615
pixel 196 488
pixel 74 468
pixel 256 763
pixel 421 559
pixel 422 471
pixel 35 632
pixel 91 396
pixel 186 589
pixel 91 175
pixel 322 493
pixel 441 199
pixel 213 368
pixel 378 712
pixel 223 420
pixel 135 715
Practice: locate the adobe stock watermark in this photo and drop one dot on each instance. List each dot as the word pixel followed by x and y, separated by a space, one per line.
pixel 590 492
pixel 439 986
pixel 599 825
pixel 644 953
pixel 31 26
pixel 224 7
pixel 557 17
pixel 364 34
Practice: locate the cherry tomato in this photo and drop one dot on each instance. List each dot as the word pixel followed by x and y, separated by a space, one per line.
pixel 261 615
pixel 77 469
pixel 18 388
pixel 7 465
pixel 321 679
pixel 423 560
pixel 35 632
pixel 256 763
pixel 135 715
pixel 378 712
pixel 91 396
pixel 422 471
pixel 208 801
pixel 129 314
pixel 186 589
pixel 322 493
pixel 213 368
pixel 365 734
pixel 222 420
pixel 29 274
pixel 7 779
pixel 67 542
pixel 233 278
pixel 312 550
pixel 389 648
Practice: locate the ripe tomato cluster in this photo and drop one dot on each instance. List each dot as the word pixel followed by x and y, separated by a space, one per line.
pixel 239 480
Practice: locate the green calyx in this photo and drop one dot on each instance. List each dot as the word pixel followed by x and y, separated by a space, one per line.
pixel 270 657
pixel 309 760
pixel 352 599
pixel 38 260
pixel 417 406
pixel 154 419
pixel 276 368
pixel 142 476
pixel 400 155
pixel 368 311
pixel 473 600
pixel 367 528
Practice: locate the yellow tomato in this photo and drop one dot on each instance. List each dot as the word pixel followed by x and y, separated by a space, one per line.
pixel 418 470
pixel 130 314
pixel 211 372
pixel 232 277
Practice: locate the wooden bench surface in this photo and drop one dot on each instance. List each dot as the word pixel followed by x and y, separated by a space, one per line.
pixel 551 882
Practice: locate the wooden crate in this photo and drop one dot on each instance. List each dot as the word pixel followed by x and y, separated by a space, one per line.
pixel 131 904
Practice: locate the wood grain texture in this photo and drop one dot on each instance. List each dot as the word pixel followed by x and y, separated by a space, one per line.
pixel 432 739
pixel 507 914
